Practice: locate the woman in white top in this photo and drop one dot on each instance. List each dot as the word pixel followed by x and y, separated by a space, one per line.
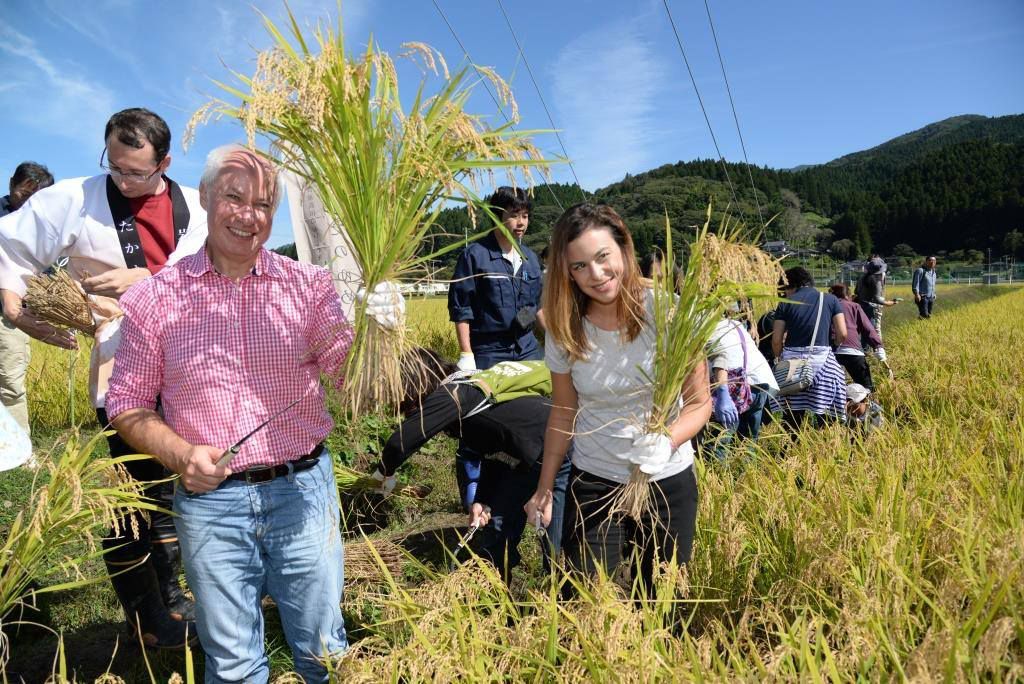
pixel 736 363
pixel 600 348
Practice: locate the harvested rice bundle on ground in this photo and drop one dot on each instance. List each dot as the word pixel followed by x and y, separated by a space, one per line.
pixel 385 172
pixel 59 300
pixel 372 560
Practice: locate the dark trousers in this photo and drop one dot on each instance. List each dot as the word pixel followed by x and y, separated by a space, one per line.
pixel 594 538
pixel 924 307
pixel 501 537
pixel 749 426
pixel 125 546
pixel 857 367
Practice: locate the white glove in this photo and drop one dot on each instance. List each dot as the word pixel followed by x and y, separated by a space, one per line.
pixel 880 353
pixel 651 452
pixel 385 304
pixel 467 362
pixel 387 482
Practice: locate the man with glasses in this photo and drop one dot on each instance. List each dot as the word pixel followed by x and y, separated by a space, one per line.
pixel 115 229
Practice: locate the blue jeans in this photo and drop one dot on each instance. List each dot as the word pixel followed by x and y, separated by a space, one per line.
pixel 749 426
pixel 501 537
pixel 282 538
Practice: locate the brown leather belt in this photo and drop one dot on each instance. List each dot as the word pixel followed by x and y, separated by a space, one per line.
pixel 264 474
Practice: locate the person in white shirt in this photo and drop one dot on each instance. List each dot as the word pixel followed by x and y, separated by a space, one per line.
pixel 28 179
pixel 115 229
pixel 741 381
pixel 599 346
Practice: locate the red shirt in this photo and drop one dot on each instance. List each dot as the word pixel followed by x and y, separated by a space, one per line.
pixel 225 356
pixel 154 221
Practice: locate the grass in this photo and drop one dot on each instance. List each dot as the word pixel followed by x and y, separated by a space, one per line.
pixel 896 557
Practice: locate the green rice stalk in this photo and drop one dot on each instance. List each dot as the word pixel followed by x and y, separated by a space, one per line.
pixel 83 494
pixel 687 308
pixel 354 482
pixel 385 172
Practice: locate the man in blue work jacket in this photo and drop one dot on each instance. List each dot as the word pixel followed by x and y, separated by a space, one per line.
pixel 494 301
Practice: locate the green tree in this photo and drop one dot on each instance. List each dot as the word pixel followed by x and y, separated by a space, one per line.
pixel 844 249
pixel 1013 243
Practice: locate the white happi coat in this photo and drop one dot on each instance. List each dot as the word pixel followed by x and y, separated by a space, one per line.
pixel 72 219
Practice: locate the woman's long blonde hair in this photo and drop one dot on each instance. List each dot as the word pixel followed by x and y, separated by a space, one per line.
pixel 564 304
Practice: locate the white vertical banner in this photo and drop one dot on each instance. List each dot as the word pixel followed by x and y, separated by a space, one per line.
pixel 321 239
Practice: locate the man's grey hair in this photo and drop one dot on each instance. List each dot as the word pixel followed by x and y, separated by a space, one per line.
pixel 215 161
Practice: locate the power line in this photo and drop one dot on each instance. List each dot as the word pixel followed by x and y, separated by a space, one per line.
pixel 542 102
pixel 487 87
pixel 735 117
pixel 700 101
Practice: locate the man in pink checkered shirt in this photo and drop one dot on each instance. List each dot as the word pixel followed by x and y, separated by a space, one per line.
pixel 226 338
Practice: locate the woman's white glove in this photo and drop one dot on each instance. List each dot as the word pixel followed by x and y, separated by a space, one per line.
pixel 880 353
pixel 651 452
pixel 385 304
pixel 467 362
pixel 387 482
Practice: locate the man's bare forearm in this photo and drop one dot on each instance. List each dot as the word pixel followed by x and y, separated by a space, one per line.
pixel 147 432
pixel 462 334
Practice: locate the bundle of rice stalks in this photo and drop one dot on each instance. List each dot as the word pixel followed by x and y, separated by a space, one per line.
pixel 84 493
pixel 354 482
pixel 385 173
pixel 58 300
pixel 373 561
pixel 731 254
pixel 687 308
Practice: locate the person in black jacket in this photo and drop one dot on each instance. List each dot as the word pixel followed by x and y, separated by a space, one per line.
pixel 870 293
pixel 509 434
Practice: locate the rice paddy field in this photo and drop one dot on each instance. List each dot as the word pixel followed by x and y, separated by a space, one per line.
pixel 895 557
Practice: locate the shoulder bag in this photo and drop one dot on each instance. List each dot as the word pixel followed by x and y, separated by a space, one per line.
pixel 796 375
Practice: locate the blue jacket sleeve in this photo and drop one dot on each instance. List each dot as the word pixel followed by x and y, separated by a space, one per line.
pixel 916 286
pixel 462 290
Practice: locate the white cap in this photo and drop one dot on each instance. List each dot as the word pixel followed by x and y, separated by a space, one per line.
pixel 857 393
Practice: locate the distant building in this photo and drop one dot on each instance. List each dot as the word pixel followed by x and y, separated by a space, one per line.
pixel 777 248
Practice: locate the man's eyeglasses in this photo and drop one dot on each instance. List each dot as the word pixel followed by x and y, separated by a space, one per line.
pixel 118 173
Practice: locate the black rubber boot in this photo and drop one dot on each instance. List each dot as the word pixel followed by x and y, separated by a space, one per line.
pixel 166 559
pixel 148 619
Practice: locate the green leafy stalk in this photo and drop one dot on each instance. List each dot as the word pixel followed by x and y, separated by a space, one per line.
pixel 384 170
pixel 84 494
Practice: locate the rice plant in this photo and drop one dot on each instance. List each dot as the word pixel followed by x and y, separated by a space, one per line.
pixel 830 557
pixel 383 169
pixel 687 309
pixel 81 494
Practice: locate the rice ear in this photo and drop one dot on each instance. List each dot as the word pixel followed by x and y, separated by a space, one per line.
pixel 60 301
pixel 381 168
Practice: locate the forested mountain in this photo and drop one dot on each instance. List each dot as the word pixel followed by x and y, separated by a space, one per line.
pixel 951 186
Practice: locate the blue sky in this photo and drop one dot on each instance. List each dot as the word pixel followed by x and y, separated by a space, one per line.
pixel 812 80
